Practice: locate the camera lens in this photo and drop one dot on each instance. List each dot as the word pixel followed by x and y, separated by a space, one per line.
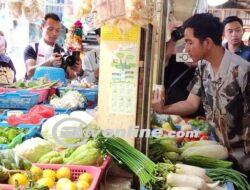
pixel 178 33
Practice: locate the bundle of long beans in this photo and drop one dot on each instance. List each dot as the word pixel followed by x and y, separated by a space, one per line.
pixel 125 154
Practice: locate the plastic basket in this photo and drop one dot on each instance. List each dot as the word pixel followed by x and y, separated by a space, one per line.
pixel 76 171
pixel 59 110
pixel 3 90
pixel 4 116
pixel 80 90
pixel 43 94
pixel 62 111
pixel 33 131
pixel 105 165
pixel 18 100
pixel 90 93
pixel 51 73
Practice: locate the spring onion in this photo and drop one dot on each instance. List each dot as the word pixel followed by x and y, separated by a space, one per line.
pixel 229 175
pixel 125 154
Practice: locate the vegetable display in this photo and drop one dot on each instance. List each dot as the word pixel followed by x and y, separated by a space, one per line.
pixel 7 135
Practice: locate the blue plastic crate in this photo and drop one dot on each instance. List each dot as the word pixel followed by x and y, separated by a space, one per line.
pixel 51 73
pixel 59 110
pixel 3 116
pixel 33 131
pixel 18 100
pixel 62 111
pixel 80 90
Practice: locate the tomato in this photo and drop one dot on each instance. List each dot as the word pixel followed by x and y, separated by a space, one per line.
pixel 203 137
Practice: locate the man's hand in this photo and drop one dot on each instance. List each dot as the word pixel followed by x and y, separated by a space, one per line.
pixel 157 102
pixel 55 60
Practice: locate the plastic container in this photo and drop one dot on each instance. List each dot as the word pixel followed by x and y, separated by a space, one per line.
pixel 80 90
pixel 33 131
pixel 76 171
pixel 2 89
pixel 51 73
pixel 62 111
pixel 43 94
pixel 18 100
pixel 59 110
pixel 105 165
pixel 90 93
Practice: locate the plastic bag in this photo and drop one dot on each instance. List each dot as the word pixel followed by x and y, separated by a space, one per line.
pixel 24 119
pixel 34 116
pixel 44 111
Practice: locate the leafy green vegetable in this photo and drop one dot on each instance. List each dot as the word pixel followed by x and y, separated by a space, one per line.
pixel 12 133
pixel 229 175
pixel 162 170
pixel 159 146
pixel 4 140
pixel 200 124
pixel 33 84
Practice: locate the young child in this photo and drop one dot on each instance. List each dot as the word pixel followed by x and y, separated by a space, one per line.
pixel 7 69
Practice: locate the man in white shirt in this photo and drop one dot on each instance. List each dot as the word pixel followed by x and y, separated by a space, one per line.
pixel 46 52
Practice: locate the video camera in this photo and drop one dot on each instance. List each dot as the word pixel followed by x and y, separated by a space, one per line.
pixel 178 33
pixel 70 59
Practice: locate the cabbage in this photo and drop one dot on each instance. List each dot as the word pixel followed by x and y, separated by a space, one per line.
pixel 70 100
pixel 68 128
pixel 33 149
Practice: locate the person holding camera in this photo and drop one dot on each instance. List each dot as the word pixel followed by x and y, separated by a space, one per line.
pixel 177 75
pixel 233 32
pixel 221 83
pixel 47 52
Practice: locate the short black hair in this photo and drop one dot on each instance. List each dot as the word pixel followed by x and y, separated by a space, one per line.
pixel 98 31
pixel 205 25
pixel 52 16
pixel 232 19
